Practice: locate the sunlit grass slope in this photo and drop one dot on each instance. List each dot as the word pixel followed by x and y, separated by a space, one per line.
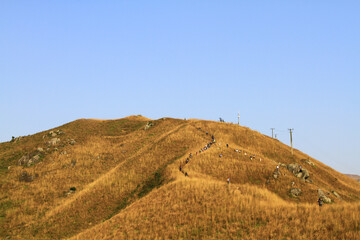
pixel 205 209
pixel 127 184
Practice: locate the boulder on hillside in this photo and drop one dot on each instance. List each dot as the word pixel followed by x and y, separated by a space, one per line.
pixel 323 197
pixel 30 158
pixel 52 134
pixel 294 192
pixel 148 125
pixel 293 167
pixel 53 141
pixel 336 194
pixel 23 160
pixel 298 171
pixel 276 174
pixel 303 174
pixel 59 132
pixel 309 162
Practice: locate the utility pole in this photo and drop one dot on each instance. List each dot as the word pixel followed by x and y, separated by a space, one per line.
pixel 238 118
pixel 272 132
pixel 292 151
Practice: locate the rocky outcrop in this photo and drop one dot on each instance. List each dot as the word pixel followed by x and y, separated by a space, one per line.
pixel 309 162
pixel 54 141
pixel 303 174
pixel 16 139
pixel 55 133
pixel 298 171
pixel 29 159
pixel 148 125
pixel 323 197
pixel 336 194
pixel 276 174
pixel 72 190
pixel 294 192
pixel 293 167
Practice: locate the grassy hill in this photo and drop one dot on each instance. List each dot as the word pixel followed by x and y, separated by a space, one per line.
pixel 106 179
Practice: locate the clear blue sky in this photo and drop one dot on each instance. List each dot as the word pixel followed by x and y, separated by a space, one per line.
pixel 280 64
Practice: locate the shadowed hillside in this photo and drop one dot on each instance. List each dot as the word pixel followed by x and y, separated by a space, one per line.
pixel 108 179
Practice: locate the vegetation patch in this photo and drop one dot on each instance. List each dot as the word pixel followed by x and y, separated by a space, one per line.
pixel 155 181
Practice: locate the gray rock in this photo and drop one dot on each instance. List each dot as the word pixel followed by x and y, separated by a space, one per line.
pixel 304 174
pixel 23 160
pixel 310 162
pixel 276 174
pixel 293 167
pixel 28 160
pixel 53 141
pixel 39 149
pixel 36 157
pixel 323 197
pixel 33 160
pixel 52 134
pixel 336 194
pixel 59 132
pixel 148 125
pixel 295 192
pixel 297 171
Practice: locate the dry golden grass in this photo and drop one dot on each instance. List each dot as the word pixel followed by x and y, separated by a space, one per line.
pixel 120 167
pixel 205 209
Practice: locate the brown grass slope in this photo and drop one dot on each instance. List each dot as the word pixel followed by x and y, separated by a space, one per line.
pixel 115 166
pixel 195 208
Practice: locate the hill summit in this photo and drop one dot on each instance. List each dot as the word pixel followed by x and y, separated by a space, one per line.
pixel 137 178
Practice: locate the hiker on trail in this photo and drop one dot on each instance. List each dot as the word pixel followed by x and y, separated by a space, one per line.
pixel 277 167
pixel 186 175
pixel 207 133
pixel 190 155
pixel 300 170
pixel 212 136
pixel 187 160
pixel 228 180
pixel 320 201
pixel 180 168
pixel 227 145
pixel 251 158
pixel 220 155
